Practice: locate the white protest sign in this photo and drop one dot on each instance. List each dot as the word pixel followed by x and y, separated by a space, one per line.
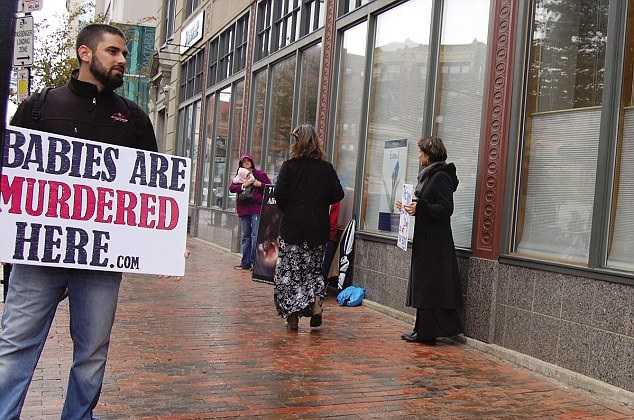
pixel 23 43
pixel 67 202
pixel 403 226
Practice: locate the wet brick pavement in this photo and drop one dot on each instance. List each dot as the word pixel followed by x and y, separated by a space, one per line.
pixel 212 346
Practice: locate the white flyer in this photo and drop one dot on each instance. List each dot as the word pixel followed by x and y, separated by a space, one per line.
pixel 403 226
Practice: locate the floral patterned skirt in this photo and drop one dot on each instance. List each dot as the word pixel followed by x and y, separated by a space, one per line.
pixel 298 278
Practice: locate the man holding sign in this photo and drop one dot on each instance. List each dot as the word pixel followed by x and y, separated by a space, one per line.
pixel 86 108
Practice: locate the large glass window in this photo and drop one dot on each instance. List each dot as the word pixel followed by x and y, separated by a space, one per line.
pixel 190 6
pixel 309 85
pixel 221 143
pixel 192 76
pixel 281 113
pixel 397 94
pixel 208 150
pixel 264 22
pixel 562 124
pixel 236 127
pixel 460 85
pixel 189 133
pixel 169 9
pixel 259 101
pixel 212 62
pixel 349 107
pixel 282 22
pixel 346 6
pixel 621 234
pixel 228 51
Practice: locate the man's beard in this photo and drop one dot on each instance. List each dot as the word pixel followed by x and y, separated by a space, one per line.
pixel 109 80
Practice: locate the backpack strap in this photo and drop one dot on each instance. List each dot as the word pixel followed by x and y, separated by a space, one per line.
pixel 38 103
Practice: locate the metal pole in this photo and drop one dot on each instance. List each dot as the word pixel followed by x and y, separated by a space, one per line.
pixel 8 9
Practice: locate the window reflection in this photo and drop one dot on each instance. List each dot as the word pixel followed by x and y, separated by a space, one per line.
pixel 621 234
pixel 460 84
pixel 259 81
pixel 221 143
pixel 236 126
pixel 563 117
pixel 309 85
pixel 208 151
pixel 281 113
pixel 396 110
pixel 349 108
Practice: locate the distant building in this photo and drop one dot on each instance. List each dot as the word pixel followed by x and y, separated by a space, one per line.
pixel 138 21
pixel 82 12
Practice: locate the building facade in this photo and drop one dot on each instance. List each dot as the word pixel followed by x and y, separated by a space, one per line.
pixel 138 22
pixel 531 97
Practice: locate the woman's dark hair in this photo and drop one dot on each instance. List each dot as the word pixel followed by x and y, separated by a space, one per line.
pixel 306 144
pixel 241 162
pixel 91 35
pixel 434 148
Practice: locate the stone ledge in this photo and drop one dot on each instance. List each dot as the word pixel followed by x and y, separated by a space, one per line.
pixel 562 375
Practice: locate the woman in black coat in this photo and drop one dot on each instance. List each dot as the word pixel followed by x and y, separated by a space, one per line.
pixel 306 187
pixel 434 283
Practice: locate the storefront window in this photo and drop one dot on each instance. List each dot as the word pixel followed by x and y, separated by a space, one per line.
pixel 281 113
pixel 221 143
pixel 206 169
pixel 397 94
pixel 309 85
pixel 346 6
pixel 236 126
pixel 194 150
pixel 562 124
pixel 621 236
pixel 257 138
pixel 460 84
pixel 349 108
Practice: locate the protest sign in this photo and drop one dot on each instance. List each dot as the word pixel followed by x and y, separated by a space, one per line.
pixel 403 227
pixel 67 202
pixel 267 244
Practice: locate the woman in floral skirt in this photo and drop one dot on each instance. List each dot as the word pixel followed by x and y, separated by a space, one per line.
pixel 306 186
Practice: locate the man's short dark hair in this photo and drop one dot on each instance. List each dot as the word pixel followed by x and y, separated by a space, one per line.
pixel 91 34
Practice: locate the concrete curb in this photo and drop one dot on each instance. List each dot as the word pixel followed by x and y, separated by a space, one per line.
pixel 564 376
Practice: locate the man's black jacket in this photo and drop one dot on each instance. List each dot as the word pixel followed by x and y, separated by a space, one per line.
pixel 79 110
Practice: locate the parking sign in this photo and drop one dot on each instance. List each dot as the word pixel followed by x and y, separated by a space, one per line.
pixel 23 45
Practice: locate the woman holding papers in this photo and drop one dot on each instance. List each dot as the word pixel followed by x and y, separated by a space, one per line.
pixel 434 283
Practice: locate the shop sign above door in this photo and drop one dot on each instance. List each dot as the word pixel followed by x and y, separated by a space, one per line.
pixel 193 32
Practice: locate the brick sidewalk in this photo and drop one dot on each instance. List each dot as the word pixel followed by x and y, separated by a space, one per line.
pixel 212 346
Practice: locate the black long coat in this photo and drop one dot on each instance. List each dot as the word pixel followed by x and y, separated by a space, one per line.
pixel 304 190
pixel 434 280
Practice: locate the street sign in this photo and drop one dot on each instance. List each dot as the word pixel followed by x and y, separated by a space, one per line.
pixel 23 83
pixel 23 46
pixel 28 6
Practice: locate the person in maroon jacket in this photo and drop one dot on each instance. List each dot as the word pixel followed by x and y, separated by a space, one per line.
pixel 248 206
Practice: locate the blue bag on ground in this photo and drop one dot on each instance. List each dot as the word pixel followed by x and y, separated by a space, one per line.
pixel 351 296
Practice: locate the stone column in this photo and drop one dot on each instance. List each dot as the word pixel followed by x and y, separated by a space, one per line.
pixel 325 90
pixel 482 279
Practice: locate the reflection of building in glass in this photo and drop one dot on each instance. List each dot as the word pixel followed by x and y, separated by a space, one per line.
pixel 141 47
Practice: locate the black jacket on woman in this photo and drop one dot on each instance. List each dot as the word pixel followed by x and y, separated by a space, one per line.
pixel 304 190
pixel 434 281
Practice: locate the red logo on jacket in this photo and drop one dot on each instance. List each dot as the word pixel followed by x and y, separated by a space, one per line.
pixel 117 116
